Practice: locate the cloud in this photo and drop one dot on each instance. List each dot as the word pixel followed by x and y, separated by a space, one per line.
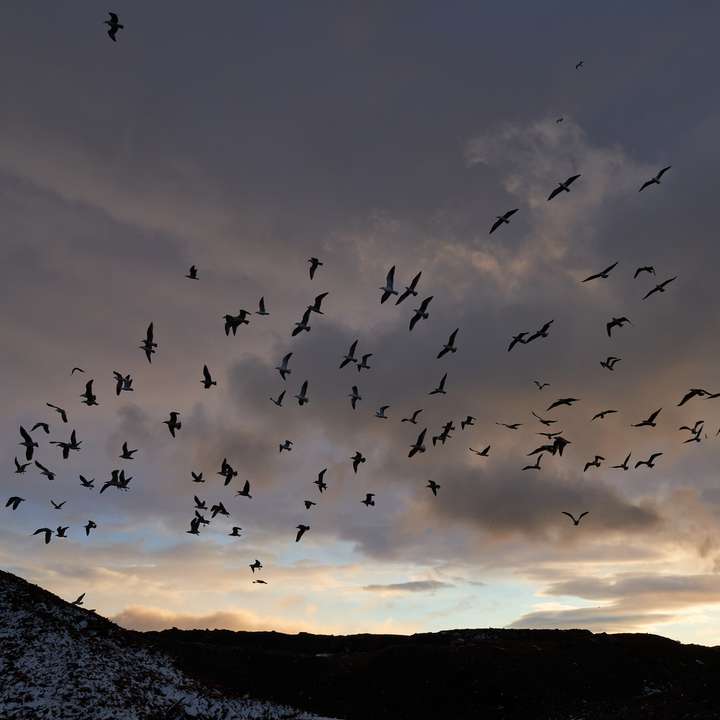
pixel 412 586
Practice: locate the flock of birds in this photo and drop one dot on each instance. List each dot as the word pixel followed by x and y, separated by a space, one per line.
pixel 555 442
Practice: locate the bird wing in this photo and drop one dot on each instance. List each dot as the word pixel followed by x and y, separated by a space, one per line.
pixel 653 416
pixel 592 277
pixel 453 335
pixel 571 179
pixel 496 225
pixel 206 374
pixel 424 304
pixel 645 184
pixel 555 192
pixel 663 171
pixel 26 437
pixel 390 278
pixel 569 515
pixel 654 290
pixel 414 319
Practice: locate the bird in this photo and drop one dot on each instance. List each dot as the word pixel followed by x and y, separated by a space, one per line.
pixel 301 530
pixel 502 219
pixel 72 444
pixel 261 307
pixel 645 268
pixel 148 345
pixel 655 180
pixel 510 426
pixel 88 397
pixel 601 415
pixel 418 446
pixel 357 459
pixel 579 65
pixel 410 289
pixel 61 532
pixel 44 471
pixel 540 385
pixel 227 471
pixel 309 504
pixel 550 435
pixel 544 421
pixel 369 500
pixel 536 466
pixel 90 484
pixel 14 502
pixel 303 324
pixel 420 312
pixel 207 381
pixel 21 467
pixel 433 486
pixel 698 425
pixel 519 338
pixel 623 465
pixel 257 565
pixel 610 362
pixel 349 357
pixel 649 422
pixel 59 411
pixel 197 477
pixel 245 492
pixel 90 525
pixel 122 382
pixel 76 369
pixel 363 364
pixel 559 120
pixel 283 368
pixel 413 418
pixel 354 397
pixel 192 273
pixel 79 601
pixel 380 412
pixel 596 462
pixel 28 443
pixel 449 346
pixel 315 307
pixel 576 521
pixel 235 532
pixel 389 288
pixel 660 287
pixel 199 504
pixel 173 423
pixel 41 426
pixel 602 274
pixel 218 509
pixel 481 453
pixel 561 401
pixel 320 482
pixel 127 454
pixel 286 445
pixel 57 506
pixel 563 187
pixel 616 322
pixel 233 322
pixel 467 422
pixel 279 400
pixel 259 582
pixel 440 389
pixel 314 265
pixel 650 462
pixel 690 394
pixel 302 397
pixel 194 526
pixel 46 531
pixel 113 26
pixel 542 332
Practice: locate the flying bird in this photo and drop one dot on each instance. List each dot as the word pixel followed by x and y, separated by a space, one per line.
pixel 197 477
pixel 602 274
pixel 233 322
pixel 88 397
pixel 579 65
pixel 194 526
pixel 576 521
pixel 418 446
pixel 596 462
pixel 173 423
pixel 363 364
pixel 113 26
pixel 540 385
pixel 440 389
pixel 261 307
pixel 320 482
pixel 380 412
pixel 76 369
pixel 432 485
pixel 148 345
pixel 59 411
pixel 542 332
pixel 245 492
pixel 690 394
pixel 519 338
pixel 14 502
pixel 303 324
pixel 563 186
pixel 389 288
pixel 481 453
pixel 536 466
pixel 207 381
pixel 47 533
pixel 28 443
pixel 286 445
pixel 283 368
pixel 79 601
pixel 649 422
pixel 655 180
pixel 369 500
pixel 301 530
pixel 279 399
pixel 413 418
pixel 510 426
pixel 309 504
pixel 257 565
pixel 503 219
pixel 302 397
pixel 660 287
pixel 90 525
pixel 610 362
pixel 349 357
pixel 420 312
pixel 467 422
pixel 49 474
pixel 544 421
pixel 123 383
pixel 449 346
pixel 650 462
pixel 624 465
pixel 41 426
pixel 192 273
pixel 601 415
pixel 410 289
pixel 90 484
pixel 235 532
pixel 21 467
pixel 314 265
pixel 561 401
pixel 218 509
pixel 354 397
pixel 645 268
pixel 616 322
pixel 357 459
pixel 127 454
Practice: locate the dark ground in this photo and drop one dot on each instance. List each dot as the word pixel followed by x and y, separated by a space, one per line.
pixel 508 674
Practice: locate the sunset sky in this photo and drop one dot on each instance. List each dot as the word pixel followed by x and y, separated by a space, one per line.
pixel 245 138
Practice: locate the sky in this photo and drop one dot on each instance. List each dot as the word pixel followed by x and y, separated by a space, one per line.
pixel 245 138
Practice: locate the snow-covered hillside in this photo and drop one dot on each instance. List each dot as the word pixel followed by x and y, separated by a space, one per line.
pixel 59 661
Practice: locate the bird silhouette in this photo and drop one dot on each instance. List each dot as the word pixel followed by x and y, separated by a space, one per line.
pixel 207 381
pixel 389 287
pixel 286 445
pixel 148 345
pixel 519 338
pixel 113 26
pixel 349 357
pixel 616 322
pixel 601 415
pixel 303 324
pixel 650 462
pixel 380 412
pixel 610 362
pixel 624 465
pixel 595 462
pixel 420 312
pixel 28 443
pixel 579 65
pixel 440 389
pixel 481 453
pixel 357 459
pixel 123 383
pixel 654 180
pixel 199 504
pixel 47 532
pixel 363 364
pixel 540 385
pixel 79 600
pixel 413 418
pixel 660 287
pixel 314 265
pixel 301 530
pixel 262 310
pixel 418 446
pixel 563 186
pixel 433 486
pixel 691 393
pixel 602 274
pixel 192 273
pixel 320 482
pixel 194 526
pixel 449 346
pixel 72 444
pixel 14 502
pixel 21 467
pixel 44 471
pixel 302 397
pixel 309 504
pixel 88 397
pixel 89 484
pixel 649 422
pixel 127 454
pixel 369 500
pixel 544 421
pixel 315 307
pixel 576 521
pixel 197 477
pixel 354 397
pixel 503 219
pixel 233 322
pixel 561 401
pixel 257 565
pixel 59 411
pixel 536 466
pixel 173 423
pixel 89 525
pixel 235 532
pixel 510 426
pixel 245 492
pixel 279 400
pixel 57 506
pixel 76 369
pixel 645 268
pixel 541 333
pixel 467 422
pixel 41 426
pixel 410 289
pixel 283 368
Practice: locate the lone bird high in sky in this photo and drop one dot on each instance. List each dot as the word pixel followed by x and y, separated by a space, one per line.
pixel 332 255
